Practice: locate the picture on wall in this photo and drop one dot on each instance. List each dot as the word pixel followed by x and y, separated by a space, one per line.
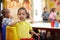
pixel 14 5
pixel 19 3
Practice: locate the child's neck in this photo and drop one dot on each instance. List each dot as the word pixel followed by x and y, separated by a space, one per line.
pixel 6 17
pixel 22 20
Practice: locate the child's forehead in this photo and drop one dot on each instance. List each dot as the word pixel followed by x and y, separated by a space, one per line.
pixel 22 11
pixel 5 11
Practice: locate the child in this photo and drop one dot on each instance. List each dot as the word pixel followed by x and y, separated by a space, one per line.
pixel 45 15
pixel 6 17
pixel 23 27
pixel 5 21
pixel 52 15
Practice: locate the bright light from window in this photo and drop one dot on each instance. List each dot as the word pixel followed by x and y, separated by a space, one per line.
pixel 38 5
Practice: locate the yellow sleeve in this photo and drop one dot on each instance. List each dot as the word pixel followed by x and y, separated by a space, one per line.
pixel 30 28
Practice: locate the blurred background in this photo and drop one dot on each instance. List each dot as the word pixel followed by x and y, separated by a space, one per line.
pixel 34 7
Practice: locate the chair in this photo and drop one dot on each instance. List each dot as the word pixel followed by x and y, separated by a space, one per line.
pixel 11 33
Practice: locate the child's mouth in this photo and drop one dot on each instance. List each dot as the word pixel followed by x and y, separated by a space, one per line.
pixel 21 18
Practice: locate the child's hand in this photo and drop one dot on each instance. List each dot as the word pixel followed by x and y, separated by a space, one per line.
pixel 11 24
pixel 37 34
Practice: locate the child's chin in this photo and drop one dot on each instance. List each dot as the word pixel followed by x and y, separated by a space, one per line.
pixel 22 19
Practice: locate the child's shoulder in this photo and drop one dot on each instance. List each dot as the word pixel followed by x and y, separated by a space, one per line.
pixel 22 22
pixel 5 19
pixel 27 21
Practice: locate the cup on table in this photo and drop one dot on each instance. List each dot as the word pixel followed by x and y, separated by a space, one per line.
pixel 52 23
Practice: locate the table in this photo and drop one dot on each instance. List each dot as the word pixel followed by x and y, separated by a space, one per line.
pixel 44 25
pixel 47 27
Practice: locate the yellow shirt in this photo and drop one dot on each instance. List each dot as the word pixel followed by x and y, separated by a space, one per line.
pixel 23 29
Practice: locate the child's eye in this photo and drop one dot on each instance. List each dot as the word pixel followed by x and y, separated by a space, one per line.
pixel 19 14
pixel 23 14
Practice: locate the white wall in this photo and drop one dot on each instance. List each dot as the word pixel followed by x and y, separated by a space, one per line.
pixel 1 6
pixel 38 5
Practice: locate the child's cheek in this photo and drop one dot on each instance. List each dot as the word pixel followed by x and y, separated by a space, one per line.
pixel 25 16
pixel 18 16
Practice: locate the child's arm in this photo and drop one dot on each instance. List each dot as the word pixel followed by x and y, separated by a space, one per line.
pixel 13 23
pixel 37 34
pixel 31 30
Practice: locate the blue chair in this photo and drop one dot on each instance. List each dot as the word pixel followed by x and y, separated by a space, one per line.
pixel 4 32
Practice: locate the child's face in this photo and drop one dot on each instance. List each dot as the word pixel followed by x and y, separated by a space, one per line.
pixel 7 15
pixel 45 9
pixel 22 14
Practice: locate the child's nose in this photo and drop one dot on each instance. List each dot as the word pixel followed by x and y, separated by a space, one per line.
pixel 21 15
